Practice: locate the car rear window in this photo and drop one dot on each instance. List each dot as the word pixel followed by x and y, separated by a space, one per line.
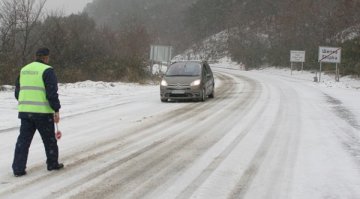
pixel 184 69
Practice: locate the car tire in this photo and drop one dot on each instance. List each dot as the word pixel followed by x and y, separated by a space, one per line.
pixel 203 95
pixel 212 95
pixel 164 100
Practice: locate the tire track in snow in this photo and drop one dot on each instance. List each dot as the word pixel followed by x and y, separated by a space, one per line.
pixel 348 135
pixel 218 160
pixel 246 101
pixel 215 168
pixel 241 188
pixel 92 152
pixel 200 116
pixel 189 139
pixel 343 112
pixel 276 180
pixel 182 113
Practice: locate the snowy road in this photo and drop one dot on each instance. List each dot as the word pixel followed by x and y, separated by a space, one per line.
pixel 263 136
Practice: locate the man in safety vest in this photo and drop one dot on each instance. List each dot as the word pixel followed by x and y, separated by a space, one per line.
pixel 38 105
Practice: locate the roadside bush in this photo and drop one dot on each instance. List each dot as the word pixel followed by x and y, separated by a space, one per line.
pixel 350 63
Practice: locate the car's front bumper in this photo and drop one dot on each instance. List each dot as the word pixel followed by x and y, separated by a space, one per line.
pixel 180 93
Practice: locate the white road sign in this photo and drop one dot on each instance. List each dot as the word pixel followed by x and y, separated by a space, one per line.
pixel 329 54
pixel 297 56
pixel 161 53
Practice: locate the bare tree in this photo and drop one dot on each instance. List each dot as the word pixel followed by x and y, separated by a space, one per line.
pixel 8 21
pixel 18 19
pixel 18 33
pixel 29 16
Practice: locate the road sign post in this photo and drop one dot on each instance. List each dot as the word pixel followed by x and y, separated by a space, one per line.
pixel 330 55
pixel 297 56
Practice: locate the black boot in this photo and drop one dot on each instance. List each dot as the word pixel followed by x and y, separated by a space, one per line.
pixel 19 174
pixel 55 167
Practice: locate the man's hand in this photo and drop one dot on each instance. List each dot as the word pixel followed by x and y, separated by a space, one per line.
pixel 57 117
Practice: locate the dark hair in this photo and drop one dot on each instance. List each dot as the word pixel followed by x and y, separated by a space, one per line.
pixel 41 52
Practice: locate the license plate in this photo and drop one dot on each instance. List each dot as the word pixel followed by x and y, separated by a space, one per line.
pixel 178 92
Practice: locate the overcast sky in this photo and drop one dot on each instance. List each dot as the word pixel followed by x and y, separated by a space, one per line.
pixel 68 6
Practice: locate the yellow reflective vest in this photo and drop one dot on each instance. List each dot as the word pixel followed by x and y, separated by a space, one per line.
pixel 32 96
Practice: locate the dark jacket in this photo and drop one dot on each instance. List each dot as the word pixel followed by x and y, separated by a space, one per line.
pixel 51 87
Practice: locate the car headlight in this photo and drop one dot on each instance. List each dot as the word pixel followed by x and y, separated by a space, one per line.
pixel 195 83
pixel 164 83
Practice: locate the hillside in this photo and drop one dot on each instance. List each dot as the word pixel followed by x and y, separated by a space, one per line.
pixel 114 36
pixel 265 30
pixel 163 19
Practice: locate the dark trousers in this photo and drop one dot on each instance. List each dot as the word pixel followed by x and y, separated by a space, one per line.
pixel 45 126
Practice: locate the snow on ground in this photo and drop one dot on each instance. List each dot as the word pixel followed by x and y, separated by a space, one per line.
pixel 227 63
pixel 327 81
pixel 75 98
pixel 267 134
pixel 345 91
pixel 86 93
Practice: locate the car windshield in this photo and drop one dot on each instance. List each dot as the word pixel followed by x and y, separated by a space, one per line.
pixel 184 69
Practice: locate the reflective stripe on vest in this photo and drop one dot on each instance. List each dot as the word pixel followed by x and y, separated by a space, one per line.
pixel 34 103
pixel 32 96
pixel 34 88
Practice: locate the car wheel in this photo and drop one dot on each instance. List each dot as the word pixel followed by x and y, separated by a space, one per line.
pixel 203 95
pixel 212 95
pixel 164 100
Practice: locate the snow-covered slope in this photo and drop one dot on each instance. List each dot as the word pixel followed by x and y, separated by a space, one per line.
pixel 212 48
pixel 348 34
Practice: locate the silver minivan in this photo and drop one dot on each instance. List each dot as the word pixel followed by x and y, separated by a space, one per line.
pixel 187 80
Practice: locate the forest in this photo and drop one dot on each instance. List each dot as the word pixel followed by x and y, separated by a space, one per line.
pixel 110 39
pixel 80 49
